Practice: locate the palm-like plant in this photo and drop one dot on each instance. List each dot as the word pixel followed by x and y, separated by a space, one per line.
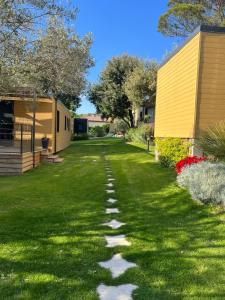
pixel 212 141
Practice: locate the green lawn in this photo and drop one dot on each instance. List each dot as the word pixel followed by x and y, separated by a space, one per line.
pixel 51 236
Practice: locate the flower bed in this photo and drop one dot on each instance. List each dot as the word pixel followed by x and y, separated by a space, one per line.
pixel 190 160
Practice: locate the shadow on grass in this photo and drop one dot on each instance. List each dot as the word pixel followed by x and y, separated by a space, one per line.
pixel 52 238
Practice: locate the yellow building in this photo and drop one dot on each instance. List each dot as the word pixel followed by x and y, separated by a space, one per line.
pixel 25 120
pixel 190 86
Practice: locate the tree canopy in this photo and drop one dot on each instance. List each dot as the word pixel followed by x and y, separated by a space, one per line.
pixel 125 82
pixel 45 52
pixel 58 62
pixel 183 16
pixel 18 18
pixel 109 95
pixel 141 83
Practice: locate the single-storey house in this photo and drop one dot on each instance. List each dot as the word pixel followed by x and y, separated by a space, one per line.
pixel 95 120
pixel 190 86
pixel 25 119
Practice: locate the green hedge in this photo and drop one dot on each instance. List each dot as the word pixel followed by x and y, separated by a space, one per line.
pixel 171 150
pixel 140 134
pixel 97 131
pixel 80 137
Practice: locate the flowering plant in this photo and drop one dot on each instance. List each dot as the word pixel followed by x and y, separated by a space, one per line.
pixel 187 162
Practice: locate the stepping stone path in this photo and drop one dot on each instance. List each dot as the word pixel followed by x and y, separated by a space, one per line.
pixel 110 191
pixel 116 240
pixel 121 292
pixel 117 264
pixel 111 200
pixel 112 210
pixel 114 224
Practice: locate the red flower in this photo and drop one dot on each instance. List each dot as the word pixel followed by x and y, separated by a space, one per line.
pixel 187 162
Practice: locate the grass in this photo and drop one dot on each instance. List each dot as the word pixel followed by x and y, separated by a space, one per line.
pixel 51 236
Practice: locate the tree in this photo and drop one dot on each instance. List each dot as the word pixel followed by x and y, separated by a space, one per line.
pixel 20 18
pixel 109 95
pixel 183 16
pixel 56 64
pixel 141 83
pixel 20 21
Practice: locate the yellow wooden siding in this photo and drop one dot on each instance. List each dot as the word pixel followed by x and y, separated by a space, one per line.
pixel 63 137
pixel 24 115
pixel 176 93
pixel 211 100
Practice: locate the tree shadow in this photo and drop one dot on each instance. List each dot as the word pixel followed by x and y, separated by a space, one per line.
pixel 52 237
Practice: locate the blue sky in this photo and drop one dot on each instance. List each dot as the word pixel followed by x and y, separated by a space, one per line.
pixel 121 26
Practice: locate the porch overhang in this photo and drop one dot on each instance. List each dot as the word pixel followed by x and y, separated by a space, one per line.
pixel 9 97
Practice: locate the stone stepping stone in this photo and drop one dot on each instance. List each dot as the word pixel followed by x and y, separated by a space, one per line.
pixel 117 265
pixel 111 200
pixel 120 292
pixel 112 211
pixel 114 224
pixel 110 191
pixel 109 171
pixel 109 184
pixel 116 240
pixel 111 179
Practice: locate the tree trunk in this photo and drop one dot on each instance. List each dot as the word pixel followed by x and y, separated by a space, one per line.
pixel 131 116
pixel 127 122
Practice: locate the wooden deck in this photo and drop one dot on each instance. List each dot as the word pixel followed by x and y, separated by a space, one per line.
pixel 16 163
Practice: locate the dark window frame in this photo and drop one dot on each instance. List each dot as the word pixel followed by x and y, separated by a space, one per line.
pixel 65 123
pixel 68 124
pixel 58 121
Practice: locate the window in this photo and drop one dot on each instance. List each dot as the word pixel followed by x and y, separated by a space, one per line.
pixel 65 123
pixel 68 124
pixel 58 120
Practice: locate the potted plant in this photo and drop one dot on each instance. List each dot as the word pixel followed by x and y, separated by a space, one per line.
pixel 45 142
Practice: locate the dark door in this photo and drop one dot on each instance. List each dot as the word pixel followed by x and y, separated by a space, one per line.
pixel 6 120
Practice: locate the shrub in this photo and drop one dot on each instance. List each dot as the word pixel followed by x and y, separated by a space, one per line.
pixel 106 128
pixel 205 182
pixel 140 134
pixel 120 126
pixel 171 150
pixel 80 137
pixel 97 131
pixel 212 141
pixel 187 162
pixel 129 135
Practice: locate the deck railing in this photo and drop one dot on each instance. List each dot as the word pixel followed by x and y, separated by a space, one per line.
pixel 16 138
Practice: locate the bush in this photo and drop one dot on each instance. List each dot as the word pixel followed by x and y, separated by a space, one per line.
pixel 212 141
pixel 80 137
pixel 97 131
pixel 171 150
pixel 139 135
pixel 205 182
pixel 187 162
pixel 120 126
pixel 106 128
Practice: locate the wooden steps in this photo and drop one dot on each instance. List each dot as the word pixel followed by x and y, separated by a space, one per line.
pixel 51 158
pixel 16 164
